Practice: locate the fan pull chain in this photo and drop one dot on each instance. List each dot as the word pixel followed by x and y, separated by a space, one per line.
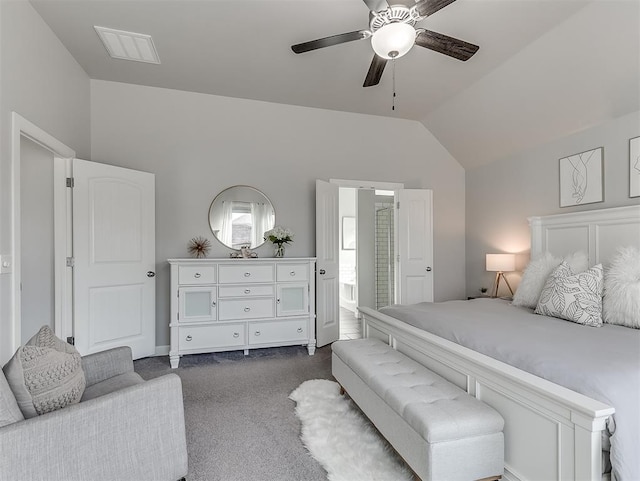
pixel 393 99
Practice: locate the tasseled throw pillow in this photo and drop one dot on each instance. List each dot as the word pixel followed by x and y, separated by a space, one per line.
pixel 45 375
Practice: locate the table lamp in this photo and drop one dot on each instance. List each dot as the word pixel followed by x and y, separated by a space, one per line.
pixel 501 263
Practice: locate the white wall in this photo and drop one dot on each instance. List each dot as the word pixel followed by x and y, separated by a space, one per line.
pixel 501 196
pixel 42 82
pixel 198 145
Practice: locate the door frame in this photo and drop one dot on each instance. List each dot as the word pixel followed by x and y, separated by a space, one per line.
pixel 21 127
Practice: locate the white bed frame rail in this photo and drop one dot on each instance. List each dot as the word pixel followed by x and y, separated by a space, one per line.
pixel 551 432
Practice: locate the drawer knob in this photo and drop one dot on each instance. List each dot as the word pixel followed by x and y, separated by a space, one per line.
pixel 188 338
pixel 247 274
pixel 257 333
pixel 299 329
pixel 292 273
pixel 197 275
pixel 236 334
pixel 213 303
pixel 247 291
pixel 247 309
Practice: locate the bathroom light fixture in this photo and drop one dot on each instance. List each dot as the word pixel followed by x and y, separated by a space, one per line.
pixel 393 40
pixel 501 263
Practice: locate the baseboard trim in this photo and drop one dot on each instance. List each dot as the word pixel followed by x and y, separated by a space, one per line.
pixel 162 351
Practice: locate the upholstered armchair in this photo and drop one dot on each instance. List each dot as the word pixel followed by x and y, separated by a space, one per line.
pixel 123 428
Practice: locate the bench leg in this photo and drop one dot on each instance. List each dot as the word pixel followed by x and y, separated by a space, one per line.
pixel 342 391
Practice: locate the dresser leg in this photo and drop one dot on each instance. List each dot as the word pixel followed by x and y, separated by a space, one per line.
pixel 246 352
pixel 174 360
pixel 311 347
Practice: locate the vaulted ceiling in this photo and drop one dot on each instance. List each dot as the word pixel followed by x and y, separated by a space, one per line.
pixel 545 68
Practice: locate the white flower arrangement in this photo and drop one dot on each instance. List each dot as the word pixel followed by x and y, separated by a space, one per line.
pixel 279 235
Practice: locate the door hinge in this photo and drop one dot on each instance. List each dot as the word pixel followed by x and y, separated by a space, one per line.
pixel 398 205
pixel 70 261
pixel 70 182
pixel 71 340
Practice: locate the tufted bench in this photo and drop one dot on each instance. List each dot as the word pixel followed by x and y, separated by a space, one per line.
pixel 443 433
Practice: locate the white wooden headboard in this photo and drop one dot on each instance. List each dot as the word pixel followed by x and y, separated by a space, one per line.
pixel 599 233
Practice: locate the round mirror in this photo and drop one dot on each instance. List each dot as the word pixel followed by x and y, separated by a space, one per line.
pixel 240 215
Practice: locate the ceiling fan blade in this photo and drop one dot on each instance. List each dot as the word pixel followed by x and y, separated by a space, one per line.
pixel 376 5
pixel 375 71
pixel 429 7
pixel 450 46
pixel 330 41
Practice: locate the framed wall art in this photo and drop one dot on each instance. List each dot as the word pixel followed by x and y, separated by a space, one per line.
pixel 581 178
pixel 634 167
pixel 348 233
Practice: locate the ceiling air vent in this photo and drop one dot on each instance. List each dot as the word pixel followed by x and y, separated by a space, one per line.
pixel 128 45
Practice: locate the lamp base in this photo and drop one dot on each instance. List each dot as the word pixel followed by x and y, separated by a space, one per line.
pixel 500 275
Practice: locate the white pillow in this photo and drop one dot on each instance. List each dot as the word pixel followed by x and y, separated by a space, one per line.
pixel 621 304
pixel 537 272
pixel 574 297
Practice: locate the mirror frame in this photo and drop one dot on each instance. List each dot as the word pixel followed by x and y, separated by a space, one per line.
pixel 222 192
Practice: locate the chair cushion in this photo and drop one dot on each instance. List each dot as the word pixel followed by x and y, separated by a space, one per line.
pixel 45 375
pixel 9 410
pixel 112 384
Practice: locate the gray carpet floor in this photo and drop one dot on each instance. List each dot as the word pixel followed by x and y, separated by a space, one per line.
pixel 240 422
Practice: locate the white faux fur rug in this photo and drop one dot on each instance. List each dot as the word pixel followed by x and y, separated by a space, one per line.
pixel 339 437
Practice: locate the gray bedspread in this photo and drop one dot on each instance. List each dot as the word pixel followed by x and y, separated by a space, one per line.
pixel 602 363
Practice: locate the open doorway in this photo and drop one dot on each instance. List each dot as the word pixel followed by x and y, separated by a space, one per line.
pixel 367 271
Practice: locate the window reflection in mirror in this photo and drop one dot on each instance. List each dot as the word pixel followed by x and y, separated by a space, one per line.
pixel 240 215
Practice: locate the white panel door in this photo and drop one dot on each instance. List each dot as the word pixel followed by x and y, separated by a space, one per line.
pixel 114 252
pixel 415 238
pixel 327 301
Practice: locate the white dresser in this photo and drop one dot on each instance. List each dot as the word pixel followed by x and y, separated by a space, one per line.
pixel 232 304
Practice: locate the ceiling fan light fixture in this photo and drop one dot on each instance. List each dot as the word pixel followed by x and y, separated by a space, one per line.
pixel 393 40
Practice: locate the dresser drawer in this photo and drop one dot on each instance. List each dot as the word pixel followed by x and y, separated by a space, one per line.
pixel 250 308
pixel 204 337
pixel 196 274
pixel 292 272
pixel 278 331
pixel 247 290
pixel 240 274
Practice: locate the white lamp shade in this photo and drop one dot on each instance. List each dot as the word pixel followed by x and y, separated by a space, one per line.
pixel 393 40
pixel 501 262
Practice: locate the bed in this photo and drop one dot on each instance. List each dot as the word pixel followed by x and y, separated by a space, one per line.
pixel 557 417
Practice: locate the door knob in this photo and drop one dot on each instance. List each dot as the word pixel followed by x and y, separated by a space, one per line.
pixel 428 269
pixel 322 272
pixel 151 274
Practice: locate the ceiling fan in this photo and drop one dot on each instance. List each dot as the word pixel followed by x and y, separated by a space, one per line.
pixel 393 32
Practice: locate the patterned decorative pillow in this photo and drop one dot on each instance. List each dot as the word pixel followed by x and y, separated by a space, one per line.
pixel 621 303
pixel 45 375
pixel 537 273
pixel 574 297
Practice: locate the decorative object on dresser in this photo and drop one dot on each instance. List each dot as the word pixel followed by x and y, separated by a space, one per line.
pixel 279 236
pixel 227 305
pixel 501 263
pixel 581 178
pixel 199 247
pixel 634 167
pixel 239 217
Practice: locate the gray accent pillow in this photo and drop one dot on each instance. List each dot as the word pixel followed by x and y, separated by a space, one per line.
pixel 9 410
pixel 574 297
pixel 45 375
